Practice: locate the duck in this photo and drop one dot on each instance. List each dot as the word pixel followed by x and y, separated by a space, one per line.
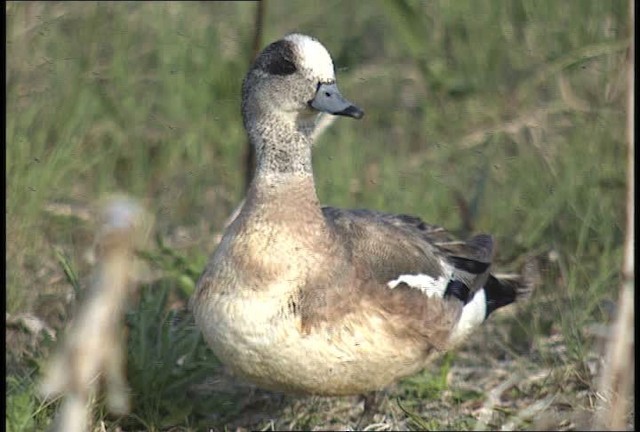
pixel 316 300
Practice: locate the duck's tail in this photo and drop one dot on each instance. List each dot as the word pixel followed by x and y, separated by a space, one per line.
pixel 504 289
pixel 499 290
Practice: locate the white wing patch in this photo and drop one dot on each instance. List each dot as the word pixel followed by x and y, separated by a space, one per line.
pixel 473 314
pixel 313 56
pixel 427 284
pixel 423 282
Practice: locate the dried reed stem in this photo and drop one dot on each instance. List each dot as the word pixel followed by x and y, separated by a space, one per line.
pixel 93 347
pixel 617 377
pixel 250 155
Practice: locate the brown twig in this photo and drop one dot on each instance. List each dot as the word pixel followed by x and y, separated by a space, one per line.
pixel 617 378
pixel 493 401
pixel 250 156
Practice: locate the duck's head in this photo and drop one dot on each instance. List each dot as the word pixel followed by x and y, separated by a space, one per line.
pixel 293 79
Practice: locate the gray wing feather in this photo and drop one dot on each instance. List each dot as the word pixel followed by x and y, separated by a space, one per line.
pixel 389 245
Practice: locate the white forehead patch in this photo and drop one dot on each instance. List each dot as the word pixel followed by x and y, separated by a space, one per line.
pixel 313 56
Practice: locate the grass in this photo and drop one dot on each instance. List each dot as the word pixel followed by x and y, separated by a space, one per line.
pixel 514 110
pixel 25 411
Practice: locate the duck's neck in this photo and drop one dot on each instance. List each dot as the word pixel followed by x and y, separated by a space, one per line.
pixel 283 162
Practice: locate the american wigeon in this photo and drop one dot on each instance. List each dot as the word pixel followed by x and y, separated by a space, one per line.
pixel 319 300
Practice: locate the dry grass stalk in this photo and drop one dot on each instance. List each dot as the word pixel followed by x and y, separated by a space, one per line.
pixel 93 348
pixel 323 123
pixel 617 377
pixel 258 30
pixel 493 400
pixel 30 323
pixel 530 120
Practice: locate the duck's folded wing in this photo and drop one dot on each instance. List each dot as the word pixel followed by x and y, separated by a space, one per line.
pixel 402 249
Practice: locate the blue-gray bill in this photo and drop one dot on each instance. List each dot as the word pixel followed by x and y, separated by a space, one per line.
pixel 328 99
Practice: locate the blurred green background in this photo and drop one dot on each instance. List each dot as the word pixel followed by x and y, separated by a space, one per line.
pixel 505 117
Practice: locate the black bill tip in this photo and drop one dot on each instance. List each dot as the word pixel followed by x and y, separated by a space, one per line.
pixel 351 111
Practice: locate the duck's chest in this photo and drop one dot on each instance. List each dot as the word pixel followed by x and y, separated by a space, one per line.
pixel 248 307
pixel 246 329
pixel 247 295
pixel 252 325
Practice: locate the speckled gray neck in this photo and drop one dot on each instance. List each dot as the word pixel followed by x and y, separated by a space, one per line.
pixel 281 147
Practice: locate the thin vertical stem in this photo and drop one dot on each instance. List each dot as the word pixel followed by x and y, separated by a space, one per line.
pixel 617 374
pixel 250 157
